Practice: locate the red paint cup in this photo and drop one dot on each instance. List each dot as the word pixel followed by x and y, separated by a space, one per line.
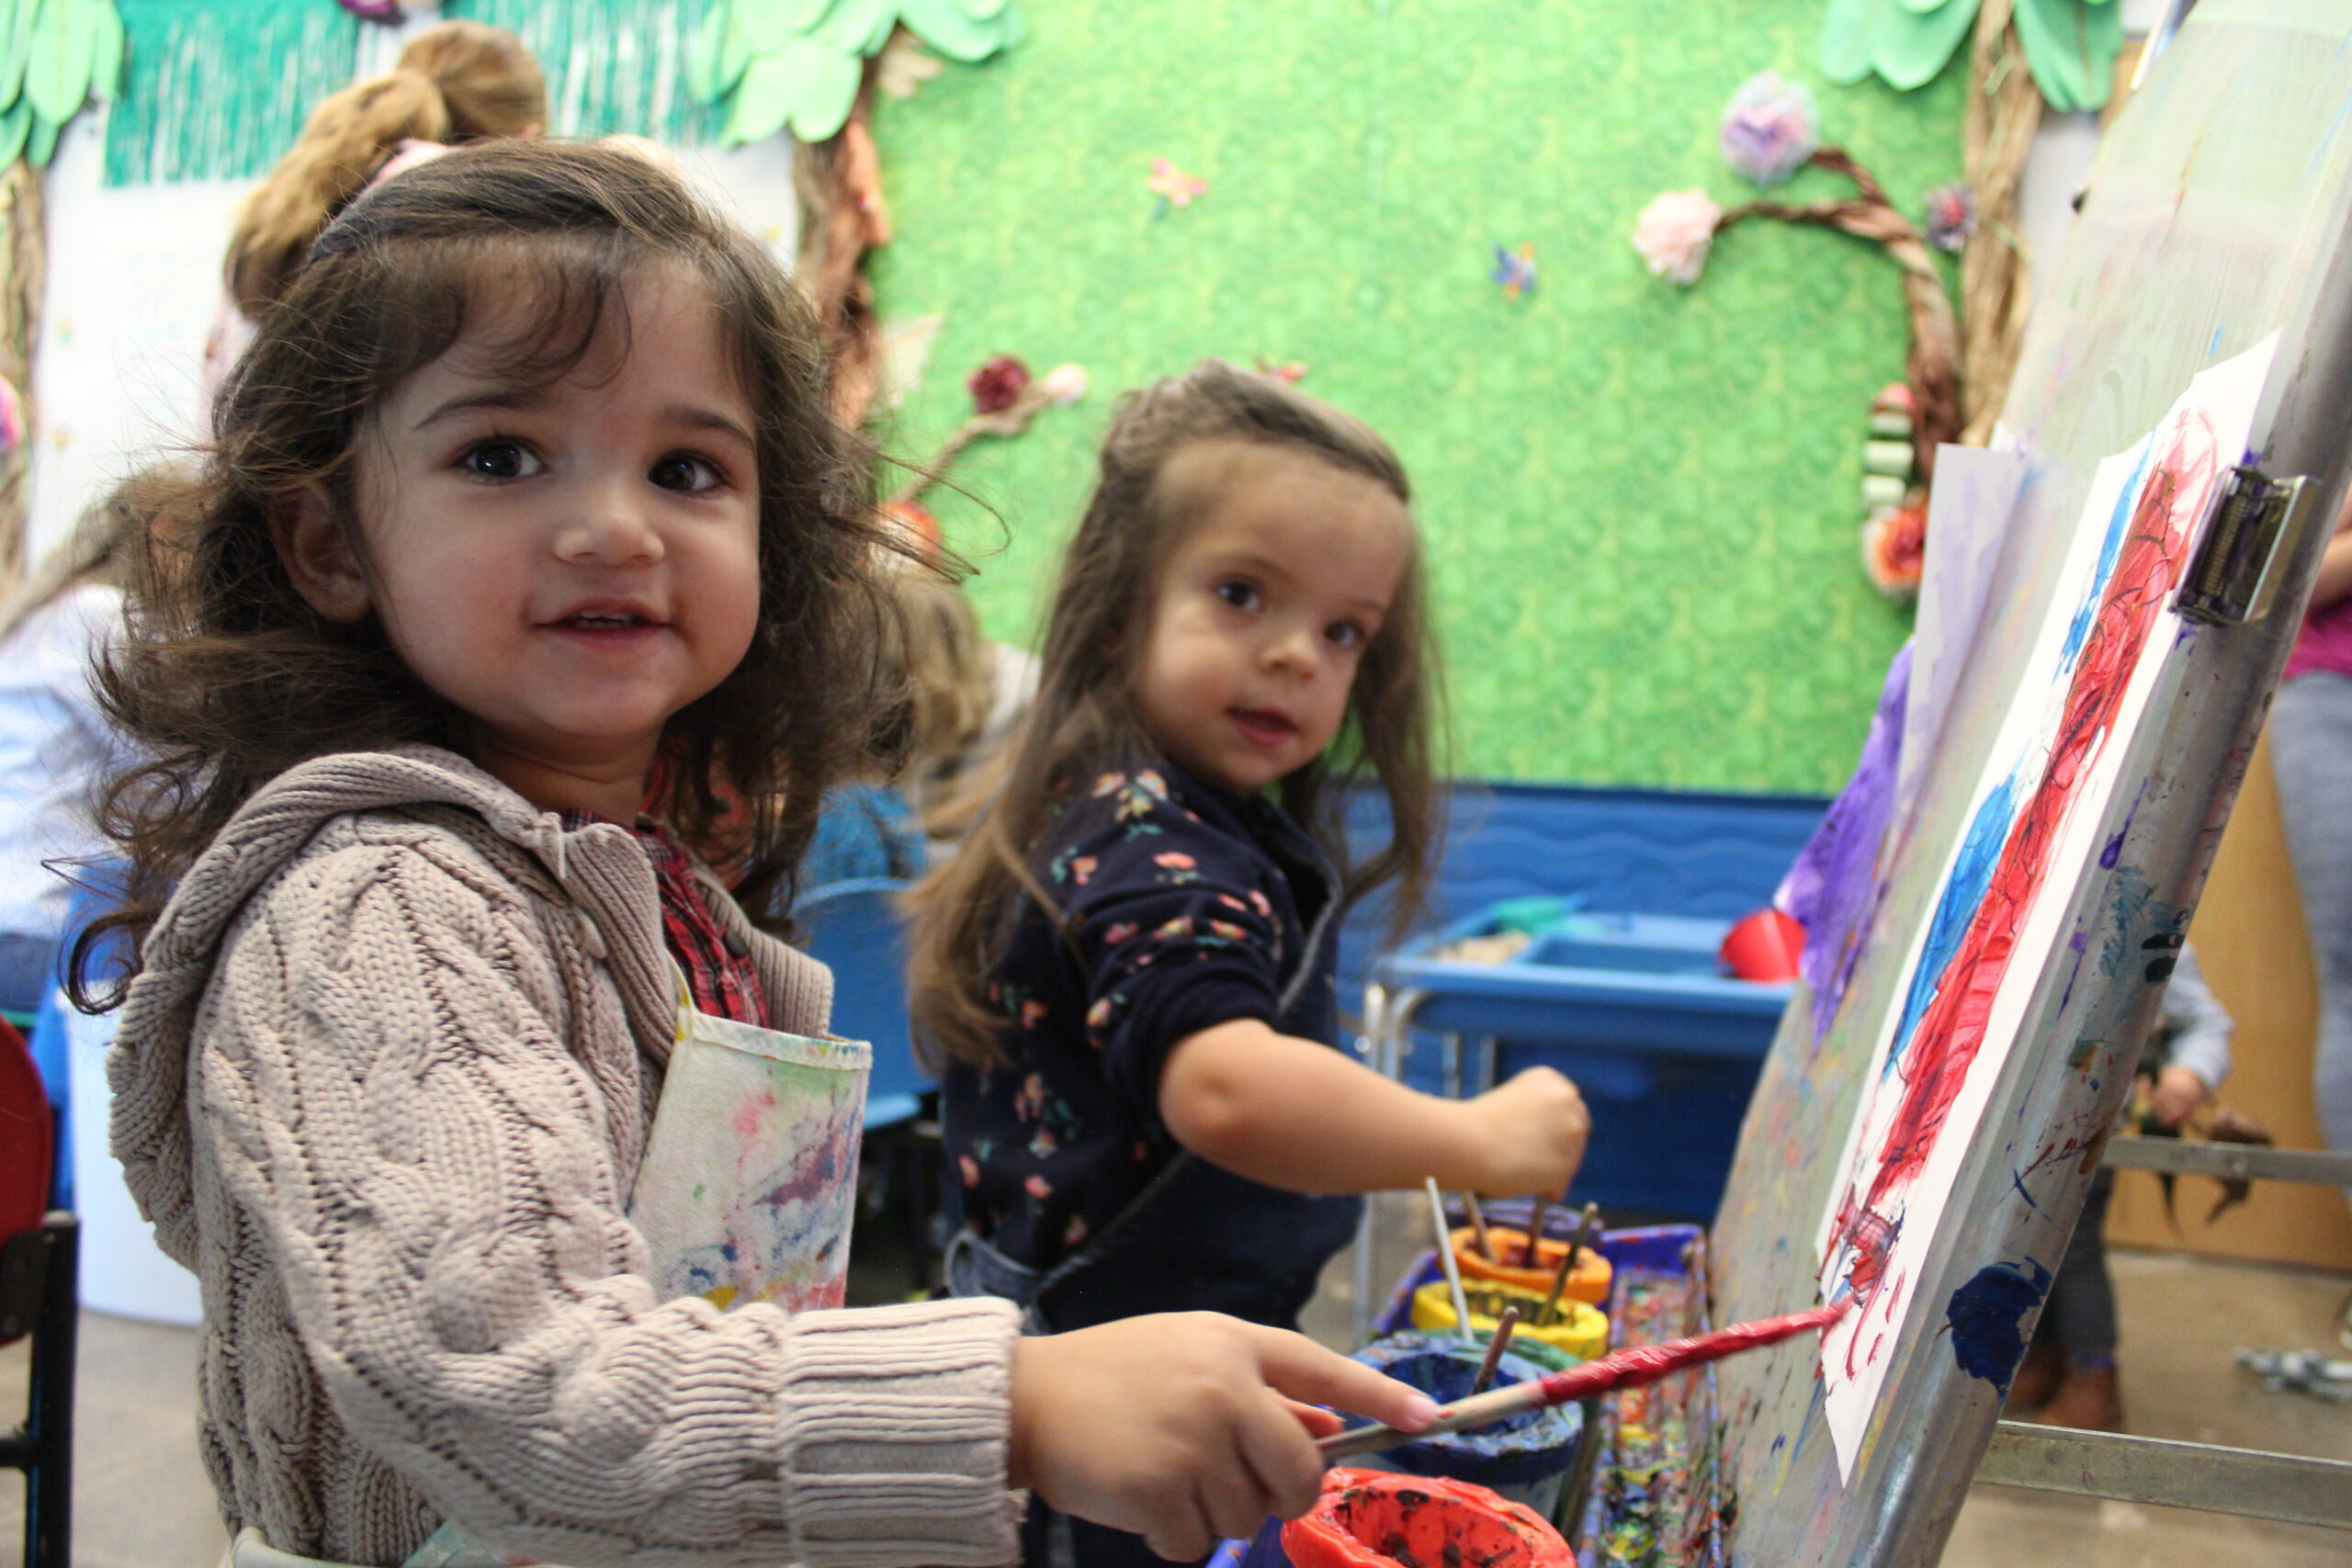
pixel 1372 1519
pixel 1765 946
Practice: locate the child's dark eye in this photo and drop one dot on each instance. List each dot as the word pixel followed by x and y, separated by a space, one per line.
pixel 1345 634
pixel 1239 593
pixel 500 459
pixel 686 472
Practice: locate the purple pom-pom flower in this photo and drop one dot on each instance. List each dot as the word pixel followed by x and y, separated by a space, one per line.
pixel 1952 216
pixel 1770 128
pixel 373 10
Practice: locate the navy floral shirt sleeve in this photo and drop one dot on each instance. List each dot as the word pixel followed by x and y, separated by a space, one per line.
pixel 1177 935
pixel 1175 918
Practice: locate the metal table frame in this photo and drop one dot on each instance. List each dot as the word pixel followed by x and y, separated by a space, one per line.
pixel 2251 1481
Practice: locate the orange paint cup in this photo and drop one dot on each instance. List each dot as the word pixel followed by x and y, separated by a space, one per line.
pixel 1588 1282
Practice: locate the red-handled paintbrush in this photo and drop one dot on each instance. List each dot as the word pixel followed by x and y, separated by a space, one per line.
pixel 1625 1369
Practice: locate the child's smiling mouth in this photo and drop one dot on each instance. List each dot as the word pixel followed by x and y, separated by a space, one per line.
pixel 1264 727
pixel 607 622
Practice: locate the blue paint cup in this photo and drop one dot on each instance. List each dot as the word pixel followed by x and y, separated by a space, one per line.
pixel 1525 1458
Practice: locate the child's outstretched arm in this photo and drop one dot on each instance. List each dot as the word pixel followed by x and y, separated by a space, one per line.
pixel 422 1116
pixel 1186 1426
pixel 403 1089
pixel 1301 1116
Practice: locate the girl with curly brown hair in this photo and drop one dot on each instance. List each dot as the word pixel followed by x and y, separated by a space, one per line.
pixel 526 508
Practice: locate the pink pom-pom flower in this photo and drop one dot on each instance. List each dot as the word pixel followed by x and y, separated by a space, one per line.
pixel 1674 232
pixel 1770 128
pixel 374 10
pixel 12 418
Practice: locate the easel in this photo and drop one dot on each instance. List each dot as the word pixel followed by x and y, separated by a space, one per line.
pixel 2220 211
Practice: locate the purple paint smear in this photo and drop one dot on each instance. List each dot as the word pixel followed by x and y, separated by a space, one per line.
pixel 1835 883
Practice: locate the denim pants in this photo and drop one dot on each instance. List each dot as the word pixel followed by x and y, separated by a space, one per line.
pixel 2311 749
pixel 2080 1315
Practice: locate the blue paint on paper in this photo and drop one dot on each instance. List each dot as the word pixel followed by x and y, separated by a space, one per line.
pixel 2119 525
pixel 1987 1316
pixel 1955 907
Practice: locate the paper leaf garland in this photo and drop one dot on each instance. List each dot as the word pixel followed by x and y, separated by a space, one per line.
pixel 798 62
pixel 55 56
pixel 2070 45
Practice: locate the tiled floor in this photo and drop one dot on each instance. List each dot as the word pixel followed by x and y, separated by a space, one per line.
pixel 142 1500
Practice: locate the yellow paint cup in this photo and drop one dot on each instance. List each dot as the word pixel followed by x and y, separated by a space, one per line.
pixel 1581 1330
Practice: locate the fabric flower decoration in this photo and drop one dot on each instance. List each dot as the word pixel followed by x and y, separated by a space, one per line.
pixel 1515 270
pixel 1674 232
pixel 998 385
pixel 1065 385
pixel 1770 127
pixel 12 418
pixel 1894 547
pixel 1952 216
pixel 1174 187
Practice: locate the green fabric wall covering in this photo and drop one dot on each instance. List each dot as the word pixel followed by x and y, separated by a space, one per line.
pixel 217 89
pixel 1641 499
pixel 612 65
pixel 197 107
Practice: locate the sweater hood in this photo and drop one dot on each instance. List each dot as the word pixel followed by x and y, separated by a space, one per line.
pixel 600 867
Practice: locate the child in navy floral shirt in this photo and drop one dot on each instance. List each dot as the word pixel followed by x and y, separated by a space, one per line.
pixel 1130 969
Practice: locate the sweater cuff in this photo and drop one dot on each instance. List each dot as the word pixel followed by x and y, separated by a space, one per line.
pixel 896 1422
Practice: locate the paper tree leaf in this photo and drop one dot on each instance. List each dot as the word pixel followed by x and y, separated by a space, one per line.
pixel 717 56
pixel 1910 47
pixel 768 25
pixel 1848 30
pixel 16 47
pixel 57 74
pixel 856 27
pixel 948 28
pixel 14 126
pixel 804 83
pixel 824 108
pixel 983 10
pixel 2071 46
pixel 1924 7
pixel 41 145
pixel 105 50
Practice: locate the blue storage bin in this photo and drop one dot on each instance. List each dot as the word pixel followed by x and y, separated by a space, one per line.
pixel 1637 1008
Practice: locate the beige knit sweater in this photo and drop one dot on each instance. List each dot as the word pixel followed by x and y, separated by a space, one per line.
pixel 383 1084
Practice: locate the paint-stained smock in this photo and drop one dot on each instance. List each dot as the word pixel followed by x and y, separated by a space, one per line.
pixel 1181 907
